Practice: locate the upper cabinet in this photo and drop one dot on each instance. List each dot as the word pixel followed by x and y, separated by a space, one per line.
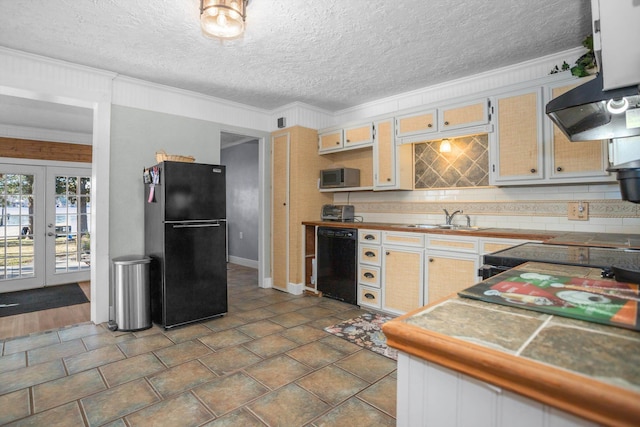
pixel 582 159
pixel 416 124
pixel 392 164
pixel 345 139
pixel 330 141
pixel 465 115
pixel 527 148
pixel 518 153
pixel 358 135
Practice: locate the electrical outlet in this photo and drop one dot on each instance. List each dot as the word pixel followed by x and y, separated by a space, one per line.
pixel 578 211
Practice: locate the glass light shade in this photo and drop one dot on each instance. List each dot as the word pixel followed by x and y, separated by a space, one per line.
pixel 222 18
pixel 618 106
pixel 445 146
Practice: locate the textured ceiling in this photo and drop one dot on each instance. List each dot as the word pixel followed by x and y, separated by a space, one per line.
pixel 331 54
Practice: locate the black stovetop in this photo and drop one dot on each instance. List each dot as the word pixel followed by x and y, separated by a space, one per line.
pixel 586 256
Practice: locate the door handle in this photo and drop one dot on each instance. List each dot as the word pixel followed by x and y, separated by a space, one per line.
pixel 196 225
pixel 369 254
pixel 50 233
pixel 369 295
pixel 368 275
pixel 50 225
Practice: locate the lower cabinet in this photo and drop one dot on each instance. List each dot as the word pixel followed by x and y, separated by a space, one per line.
pixel 403 279
pixel 402 272
pixel 449 272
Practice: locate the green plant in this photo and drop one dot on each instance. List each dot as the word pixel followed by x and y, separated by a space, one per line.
pixel 584 65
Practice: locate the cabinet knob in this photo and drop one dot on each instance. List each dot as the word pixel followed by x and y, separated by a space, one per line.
pixel 559 169
pixel 446 123
pixel 388 253
pixel 348 140
pixel 369 296
pixel 284 204
pixel 369 237
pixel 429 125
pixel 430 259
pixel 369 254
pixel 388 179
pixel 368 275
pixel 337 142
pixel 533 170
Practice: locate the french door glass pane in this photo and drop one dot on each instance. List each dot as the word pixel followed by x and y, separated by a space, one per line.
pixel 16 226
pixel 72 223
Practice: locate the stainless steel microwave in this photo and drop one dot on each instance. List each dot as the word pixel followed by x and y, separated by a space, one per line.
pixel 338 178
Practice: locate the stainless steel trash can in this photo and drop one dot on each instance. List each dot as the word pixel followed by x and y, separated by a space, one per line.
pixel 131 294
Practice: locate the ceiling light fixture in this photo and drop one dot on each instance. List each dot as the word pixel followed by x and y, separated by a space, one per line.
pixel 445 146
pixel 223 19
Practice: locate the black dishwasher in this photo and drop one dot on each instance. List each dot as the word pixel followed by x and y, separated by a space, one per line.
pixel 336 263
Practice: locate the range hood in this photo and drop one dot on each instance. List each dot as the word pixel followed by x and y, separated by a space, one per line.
pixel 588 112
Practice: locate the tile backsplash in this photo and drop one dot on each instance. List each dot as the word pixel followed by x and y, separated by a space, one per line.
pixel 467 165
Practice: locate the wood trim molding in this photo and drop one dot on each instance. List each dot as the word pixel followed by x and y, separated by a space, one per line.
pixel 45 150
pixel 584 397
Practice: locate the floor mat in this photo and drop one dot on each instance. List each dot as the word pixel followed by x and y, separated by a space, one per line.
pixel 19 302
pixel 365 331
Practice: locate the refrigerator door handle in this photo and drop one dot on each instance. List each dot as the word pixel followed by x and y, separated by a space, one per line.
pixel 195 225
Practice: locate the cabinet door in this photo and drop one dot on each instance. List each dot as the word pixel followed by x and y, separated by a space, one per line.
pixel 358 135
pixel 464 115
pixel 416 124
pixel 330 141
pixel 575 159
pixel 448 273
pixel 384 155
pixel 519 137
pixel 280 217
pixel 403 280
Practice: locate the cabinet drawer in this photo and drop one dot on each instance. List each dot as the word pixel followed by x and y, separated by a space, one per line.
pixel 370 237
pixel 369 297
pixel 451 243
pixel 403 239
pixel 369 276
pixel 369 255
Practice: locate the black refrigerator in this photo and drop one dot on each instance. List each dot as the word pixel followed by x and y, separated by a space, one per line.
pixel 185 237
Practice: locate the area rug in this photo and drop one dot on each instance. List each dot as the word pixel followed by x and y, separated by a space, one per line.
pixel 20 302
pixel 365 331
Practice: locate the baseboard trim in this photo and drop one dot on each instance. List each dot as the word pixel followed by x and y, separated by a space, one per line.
pixel 295 288
pixel 243 261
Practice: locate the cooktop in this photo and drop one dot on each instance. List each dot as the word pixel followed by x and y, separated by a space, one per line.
pixel 586 256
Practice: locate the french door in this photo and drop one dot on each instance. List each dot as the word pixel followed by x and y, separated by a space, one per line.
pixel 44 226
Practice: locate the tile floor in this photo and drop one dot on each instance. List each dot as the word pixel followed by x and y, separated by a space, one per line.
pixel 267 362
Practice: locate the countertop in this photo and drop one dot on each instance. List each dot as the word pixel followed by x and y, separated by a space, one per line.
pixel 606 240
pixel 588 369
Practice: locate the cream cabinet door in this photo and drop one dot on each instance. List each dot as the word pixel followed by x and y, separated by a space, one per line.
pixel 357 136
pixel 460 116
pixel 575 159
pixel 403 279
pixel 384 155
pixel 280 217
pixel 519 151
pixel 416 124
pixel 448 273
pixel 330 141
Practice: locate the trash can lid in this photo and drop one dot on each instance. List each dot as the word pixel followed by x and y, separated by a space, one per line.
pixel 132 259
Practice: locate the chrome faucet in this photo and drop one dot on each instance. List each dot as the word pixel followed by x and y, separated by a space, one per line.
pixel 448 218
